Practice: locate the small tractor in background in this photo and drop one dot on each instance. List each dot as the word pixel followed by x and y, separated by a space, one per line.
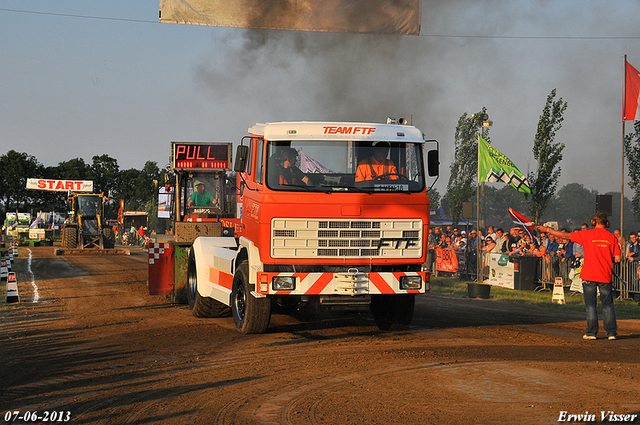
pixel 86 227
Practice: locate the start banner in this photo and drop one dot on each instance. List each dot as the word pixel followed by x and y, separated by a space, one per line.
pixel 60 185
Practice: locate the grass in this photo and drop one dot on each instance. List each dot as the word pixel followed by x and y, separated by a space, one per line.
pixel 625 309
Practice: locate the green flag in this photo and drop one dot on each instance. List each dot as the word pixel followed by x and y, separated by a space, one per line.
pixel 496 167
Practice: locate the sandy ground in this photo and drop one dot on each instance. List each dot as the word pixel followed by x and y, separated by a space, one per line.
pixel 97 349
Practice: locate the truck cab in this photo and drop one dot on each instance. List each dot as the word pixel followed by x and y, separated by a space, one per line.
pixel 333 215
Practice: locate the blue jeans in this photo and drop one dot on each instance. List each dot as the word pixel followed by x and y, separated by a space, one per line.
pixel 590 301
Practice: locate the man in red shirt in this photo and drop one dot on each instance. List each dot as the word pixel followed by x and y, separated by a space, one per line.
pixel 601 247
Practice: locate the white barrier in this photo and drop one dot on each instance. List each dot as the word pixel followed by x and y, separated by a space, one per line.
pixel 12 289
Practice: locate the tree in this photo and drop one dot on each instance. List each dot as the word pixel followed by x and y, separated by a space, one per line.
pixel 104 172
pixel 137 187
pixel 498 200
pixel 548 153
pixel 571 205
pixel 74 169
pixel 434 198
pixel 464 169
pixel 15 168
pixel 45 200
pixel 632 152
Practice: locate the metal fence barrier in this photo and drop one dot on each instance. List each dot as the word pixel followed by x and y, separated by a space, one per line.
pixel 626 278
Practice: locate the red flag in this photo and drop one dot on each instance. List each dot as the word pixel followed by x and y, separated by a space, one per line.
pixel 631 110
pixel 522 222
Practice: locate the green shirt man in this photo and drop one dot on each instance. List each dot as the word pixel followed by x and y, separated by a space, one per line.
pixel 200 197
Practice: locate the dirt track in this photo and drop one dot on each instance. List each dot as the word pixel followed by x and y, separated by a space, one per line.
pixel 97 346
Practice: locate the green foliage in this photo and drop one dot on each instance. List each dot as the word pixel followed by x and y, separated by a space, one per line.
pixel 464 169
pixel 136 187
pixel 632 152
pixel 15 168
pixel 548 153
pixel 497 201
pixel 74 169
pixel 104 172
pixel 572 206
pixel 434 199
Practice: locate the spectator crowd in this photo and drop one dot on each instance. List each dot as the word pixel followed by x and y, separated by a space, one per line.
pixel 559 255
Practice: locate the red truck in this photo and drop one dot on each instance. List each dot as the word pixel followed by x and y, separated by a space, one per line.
pixel 331 215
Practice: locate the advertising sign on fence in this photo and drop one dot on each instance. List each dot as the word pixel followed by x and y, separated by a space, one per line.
pixel 447 260
pixel 501 271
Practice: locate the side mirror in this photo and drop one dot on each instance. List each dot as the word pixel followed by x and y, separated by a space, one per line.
pixel 241 159
pixel 433 163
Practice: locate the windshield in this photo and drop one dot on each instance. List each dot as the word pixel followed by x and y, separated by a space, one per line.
pixel 204 190
pixel 323 166
pixel 89 205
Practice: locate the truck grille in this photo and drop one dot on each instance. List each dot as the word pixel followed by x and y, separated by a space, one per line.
pixel 305 238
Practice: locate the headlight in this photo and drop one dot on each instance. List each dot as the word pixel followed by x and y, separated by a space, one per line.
pixel 410 282
pixel 284 283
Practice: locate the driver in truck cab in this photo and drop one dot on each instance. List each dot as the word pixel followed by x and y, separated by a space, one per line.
pixel 377 164
pixel 287 172
pixel 201 198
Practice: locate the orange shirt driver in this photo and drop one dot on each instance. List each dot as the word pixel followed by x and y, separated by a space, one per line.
pixel 377 165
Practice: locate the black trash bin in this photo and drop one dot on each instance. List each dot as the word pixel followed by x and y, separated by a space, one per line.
pixel 525 270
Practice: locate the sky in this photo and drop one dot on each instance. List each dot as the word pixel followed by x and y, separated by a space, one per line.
pixel 80 78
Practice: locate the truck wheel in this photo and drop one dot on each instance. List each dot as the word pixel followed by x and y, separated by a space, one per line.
pixel 393 312
pixel 201 306
pixel 108 238
pixel 70 237
pixel 251 314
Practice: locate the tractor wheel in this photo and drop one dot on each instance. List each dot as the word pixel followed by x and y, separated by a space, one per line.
pixel 201 306
pixel 70 237
pixel 108 238
pixel 251 314
pixel 393 312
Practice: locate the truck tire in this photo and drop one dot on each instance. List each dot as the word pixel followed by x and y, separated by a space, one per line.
pixel 70 237
pixel 108 238
pixel 393 312
pixel 201 306
pixel 251 314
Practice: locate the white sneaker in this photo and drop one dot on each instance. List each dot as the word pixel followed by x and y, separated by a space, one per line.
pixel 612 337
pixel 585 336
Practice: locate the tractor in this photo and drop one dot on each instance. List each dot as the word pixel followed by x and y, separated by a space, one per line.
pixel 86 226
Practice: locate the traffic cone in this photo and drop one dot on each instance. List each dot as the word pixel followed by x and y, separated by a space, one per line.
pixel 12 289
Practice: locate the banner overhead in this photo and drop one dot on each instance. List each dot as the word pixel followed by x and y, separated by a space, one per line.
pixel 496 167
pixel 60 185
pixel 399 17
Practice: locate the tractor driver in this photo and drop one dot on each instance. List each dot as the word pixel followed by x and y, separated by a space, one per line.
pixel 89 209
pixel 377 164
pixel 201 198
